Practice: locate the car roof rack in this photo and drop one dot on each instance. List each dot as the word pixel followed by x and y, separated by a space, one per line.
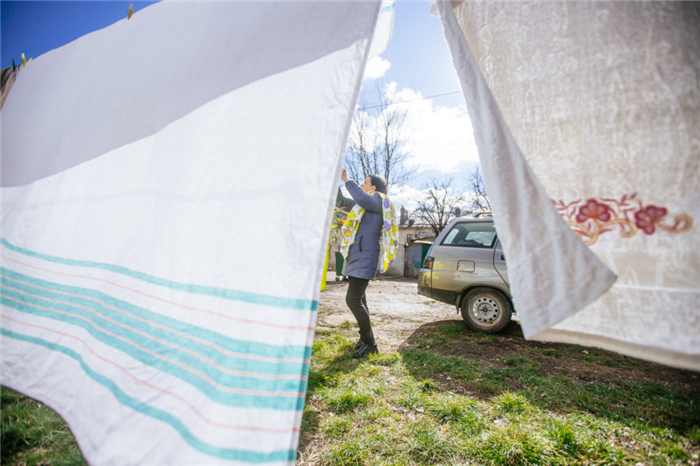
pixel 483 214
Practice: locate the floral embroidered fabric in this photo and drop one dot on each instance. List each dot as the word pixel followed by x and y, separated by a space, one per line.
pixel 588 102
pixel 592 218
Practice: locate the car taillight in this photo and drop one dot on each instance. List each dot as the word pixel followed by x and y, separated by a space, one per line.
pixel 428 262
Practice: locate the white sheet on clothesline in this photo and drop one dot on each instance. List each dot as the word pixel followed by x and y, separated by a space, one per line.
pixel 167 187
pixel 585 114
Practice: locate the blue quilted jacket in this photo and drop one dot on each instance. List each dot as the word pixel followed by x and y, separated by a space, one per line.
pixel 363 256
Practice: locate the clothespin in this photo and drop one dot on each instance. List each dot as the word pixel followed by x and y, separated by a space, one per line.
pixel 25 61
pixel 14 67
pixel 131 11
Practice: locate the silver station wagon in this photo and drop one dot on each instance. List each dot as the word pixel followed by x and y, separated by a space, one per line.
pixel 466 267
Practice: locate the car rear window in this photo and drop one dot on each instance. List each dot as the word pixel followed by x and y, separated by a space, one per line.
pixel 471 235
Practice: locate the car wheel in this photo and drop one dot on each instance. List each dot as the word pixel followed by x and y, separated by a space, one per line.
pixel 486 310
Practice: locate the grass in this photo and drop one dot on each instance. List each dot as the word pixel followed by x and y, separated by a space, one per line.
pixel 419 407
pixel 33 434
pixel 403 409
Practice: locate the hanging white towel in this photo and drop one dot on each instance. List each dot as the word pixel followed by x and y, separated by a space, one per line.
pixel 163 232
pixel 586 118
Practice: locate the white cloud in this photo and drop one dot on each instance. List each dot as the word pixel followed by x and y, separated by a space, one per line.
pixel 405 196
pixel 438 137
pixel 376 68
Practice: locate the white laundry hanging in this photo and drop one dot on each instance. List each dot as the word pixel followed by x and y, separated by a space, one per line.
pixel 163 231
pixel 585 114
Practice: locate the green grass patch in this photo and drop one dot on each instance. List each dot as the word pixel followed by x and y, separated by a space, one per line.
pixel 511 403
pixel 336 426
pixel 675 453
pixel 482 338
pixel 426 364
pixel 451 409
pixel 564 436
pixel 513 444
pixel 424 442
pixel 430 340
pixel 34 434
pixel 352 452
pixel 347 399
pixel 693 435
pixel 383 359
pixel 428 386
pixel 347 325
pixel 412 396
pixel 409 416
pixel 456 330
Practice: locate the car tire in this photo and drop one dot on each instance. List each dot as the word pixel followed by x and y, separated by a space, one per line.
pixel 486 310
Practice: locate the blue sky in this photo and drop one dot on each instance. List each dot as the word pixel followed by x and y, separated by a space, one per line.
pixel 417 61
pixel 419 54
pixel 34 28
pixel 439 131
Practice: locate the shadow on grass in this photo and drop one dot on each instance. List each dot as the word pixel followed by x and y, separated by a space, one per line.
pixel 555 377
pixel 326 367
pixel 331 358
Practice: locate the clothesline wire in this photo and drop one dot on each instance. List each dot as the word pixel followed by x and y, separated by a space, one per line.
pixel 411 100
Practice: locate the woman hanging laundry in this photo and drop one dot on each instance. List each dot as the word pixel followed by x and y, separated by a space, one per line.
pixel 369 237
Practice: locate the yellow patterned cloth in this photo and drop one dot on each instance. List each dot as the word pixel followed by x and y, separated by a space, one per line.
pixel 389 240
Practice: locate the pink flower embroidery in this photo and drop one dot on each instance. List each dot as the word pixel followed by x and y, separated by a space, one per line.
pixel 648 217
pixel 593 218
pixel 593 210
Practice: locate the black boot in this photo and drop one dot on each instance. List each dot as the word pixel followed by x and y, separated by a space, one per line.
pixel 365 350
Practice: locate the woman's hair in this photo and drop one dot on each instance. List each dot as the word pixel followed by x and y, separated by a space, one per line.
pixel 378 183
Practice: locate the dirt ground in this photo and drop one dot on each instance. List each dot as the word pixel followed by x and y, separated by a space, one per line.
pixel 396 309
pixel 399 313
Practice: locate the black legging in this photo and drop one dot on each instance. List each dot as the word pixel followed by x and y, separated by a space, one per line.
pixel 357 302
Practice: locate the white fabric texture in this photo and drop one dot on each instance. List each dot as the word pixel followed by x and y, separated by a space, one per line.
pixel 591 107
pixel 384 29
pixel 162 229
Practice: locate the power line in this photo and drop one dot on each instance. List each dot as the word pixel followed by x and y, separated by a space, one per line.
pixel 441 152
pixel 411 100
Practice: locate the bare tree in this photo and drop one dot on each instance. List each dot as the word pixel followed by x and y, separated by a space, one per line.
pixel 439 205
pixel 480 200
pixel 376 145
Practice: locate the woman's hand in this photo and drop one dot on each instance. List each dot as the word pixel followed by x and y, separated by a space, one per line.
pixel 344 175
